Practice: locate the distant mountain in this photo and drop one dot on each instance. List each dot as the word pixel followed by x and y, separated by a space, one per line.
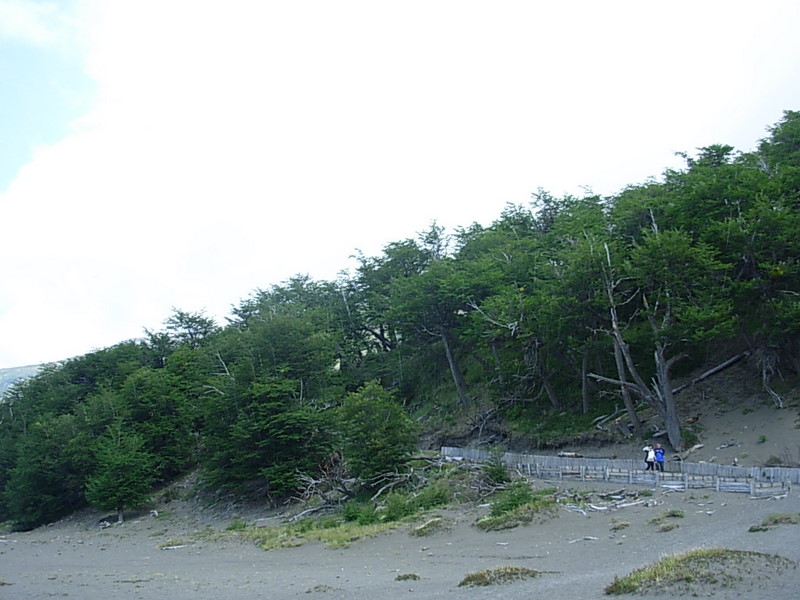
pixel 9 376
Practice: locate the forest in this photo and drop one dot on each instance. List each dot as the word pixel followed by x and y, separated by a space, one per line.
pixel 559 311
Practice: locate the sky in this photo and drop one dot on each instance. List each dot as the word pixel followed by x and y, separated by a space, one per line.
pixel 183 154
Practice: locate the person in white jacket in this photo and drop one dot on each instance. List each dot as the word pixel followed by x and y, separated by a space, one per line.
pixel 649 457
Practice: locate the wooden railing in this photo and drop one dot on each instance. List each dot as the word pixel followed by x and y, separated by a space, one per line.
pixel 677 475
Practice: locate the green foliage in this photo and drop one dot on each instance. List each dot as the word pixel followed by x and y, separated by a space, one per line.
pixel 774 519
pixel 396 506
pixel 517 505
pixel 261 447
pixel 495 470
pixel 157 408
pixel 376 434
pixel 362 513
pixel 46 481
pixel 124 473
pixel 518 494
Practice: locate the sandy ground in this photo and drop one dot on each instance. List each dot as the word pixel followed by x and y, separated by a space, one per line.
pixel 735 421
pixel 579 554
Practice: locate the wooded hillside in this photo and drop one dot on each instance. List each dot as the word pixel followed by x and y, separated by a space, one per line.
pixel 559 310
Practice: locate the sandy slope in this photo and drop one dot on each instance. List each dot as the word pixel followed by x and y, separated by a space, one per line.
pixel 736 422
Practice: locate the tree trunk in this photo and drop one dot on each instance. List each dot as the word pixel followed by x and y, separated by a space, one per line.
pixel 667 398
pixel 585 387
pixel 458 377
pixel 497 364
pixel 630 407
pixel 549 390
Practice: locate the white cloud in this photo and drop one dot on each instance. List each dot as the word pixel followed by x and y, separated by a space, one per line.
pixel 30 22
pixel 232 145
pixel 39 24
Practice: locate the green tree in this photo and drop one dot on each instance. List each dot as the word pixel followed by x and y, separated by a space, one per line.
pixel 377 435
pixel 155 404
pixel 257 442
pixel 190 329
pixel 677 288
pixel 124 474
pixel 52 463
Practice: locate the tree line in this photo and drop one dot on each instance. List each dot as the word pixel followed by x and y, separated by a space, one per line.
pixel 565 306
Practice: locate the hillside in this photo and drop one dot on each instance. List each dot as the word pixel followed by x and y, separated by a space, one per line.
pixel 727 419
pixel 187 549
pixel 11 375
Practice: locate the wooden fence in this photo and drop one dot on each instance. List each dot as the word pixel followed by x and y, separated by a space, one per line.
pixel 677 475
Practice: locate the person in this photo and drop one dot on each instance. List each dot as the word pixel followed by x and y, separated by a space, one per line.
pixel 659 456
pixel 649 457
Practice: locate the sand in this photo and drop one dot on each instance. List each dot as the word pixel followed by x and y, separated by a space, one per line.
pixel 579 555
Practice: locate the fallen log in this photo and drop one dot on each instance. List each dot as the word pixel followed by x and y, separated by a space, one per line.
pixel 686 453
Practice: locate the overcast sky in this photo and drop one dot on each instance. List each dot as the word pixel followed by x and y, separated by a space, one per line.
pixel 169 153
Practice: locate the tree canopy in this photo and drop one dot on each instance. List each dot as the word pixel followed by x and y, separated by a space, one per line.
pixel 561 308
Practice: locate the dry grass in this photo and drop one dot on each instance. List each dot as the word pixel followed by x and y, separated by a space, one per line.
pixel 775 519
pixel 498 575
pixel 714 567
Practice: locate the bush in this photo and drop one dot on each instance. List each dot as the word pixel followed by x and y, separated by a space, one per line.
pixel 495 471
pixel 377 434
pixel 361 513
pixel 516 506
pixel 518 494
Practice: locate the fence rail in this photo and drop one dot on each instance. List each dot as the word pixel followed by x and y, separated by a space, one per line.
pixel 677 475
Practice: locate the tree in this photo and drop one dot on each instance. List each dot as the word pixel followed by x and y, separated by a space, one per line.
pixel 190 329
pixel 376 433
pixel 157 408
pixel 257 442
pixel 675 287
pixel 46 481
pixel 124 474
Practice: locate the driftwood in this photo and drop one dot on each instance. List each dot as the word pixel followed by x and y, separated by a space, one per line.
pixel 629 504
pixel 312 510
pixel 575 509
pixel 683 455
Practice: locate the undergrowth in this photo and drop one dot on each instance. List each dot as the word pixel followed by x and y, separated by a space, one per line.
pixel 517 505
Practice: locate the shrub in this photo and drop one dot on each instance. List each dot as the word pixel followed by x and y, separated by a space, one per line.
pixel 498 575
pixel 518 494
pixel 359 512
pixel 377 435
pixel 516 506
pixel 494 471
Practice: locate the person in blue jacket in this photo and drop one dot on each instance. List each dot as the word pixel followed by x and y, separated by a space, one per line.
pixel 659 452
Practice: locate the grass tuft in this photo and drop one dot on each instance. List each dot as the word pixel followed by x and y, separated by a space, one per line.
pixel 498 575
pixel 517 505
pixel 430 527
pixel 717 566
pixel 775 519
